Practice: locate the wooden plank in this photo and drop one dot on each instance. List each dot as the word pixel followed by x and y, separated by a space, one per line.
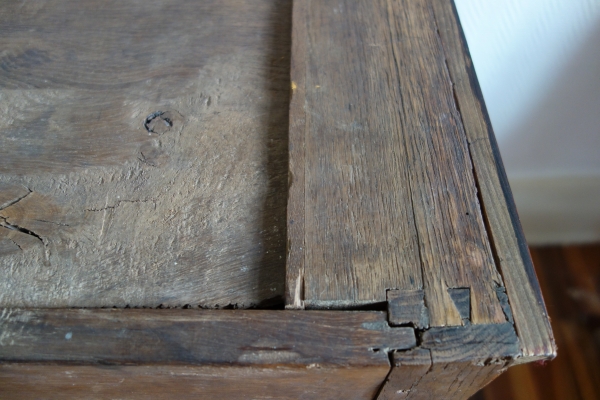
pixel 107 202
pixel 27 381
pixel 317 354
pixel 197 337
pixel 387 196
pixel 510 248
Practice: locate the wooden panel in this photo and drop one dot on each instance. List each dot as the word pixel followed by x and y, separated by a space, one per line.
pixel 117 336
pixel 381 174
pixel 211 354
pixel 511 253
pixel 107 202
pixel 26 381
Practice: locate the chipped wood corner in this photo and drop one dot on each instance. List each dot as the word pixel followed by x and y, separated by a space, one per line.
pixel 447 356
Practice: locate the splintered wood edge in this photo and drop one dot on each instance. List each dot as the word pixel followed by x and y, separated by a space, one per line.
pixel 294 291
pixel 503 225
pixel 451 362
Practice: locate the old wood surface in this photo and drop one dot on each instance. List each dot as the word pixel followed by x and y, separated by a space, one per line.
pixel 511 252
pixel 451 363
pixel 391 154
pixel 105 201
pixel 211 354
pixel 381 177
pixel 143 162
pixel 118 336
pixel 32 381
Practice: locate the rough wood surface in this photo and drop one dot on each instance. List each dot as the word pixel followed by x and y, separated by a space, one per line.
pixel 451 363
pixel 381 177
pixel 317 354
pixel 118 336
pixel 510 248
pixel 406 307
pixel 107 202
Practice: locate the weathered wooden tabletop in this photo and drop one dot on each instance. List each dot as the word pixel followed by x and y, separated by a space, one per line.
pixel 326 161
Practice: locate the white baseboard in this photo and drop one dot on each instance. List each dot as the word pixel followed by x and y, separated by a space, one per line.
pixel 558 210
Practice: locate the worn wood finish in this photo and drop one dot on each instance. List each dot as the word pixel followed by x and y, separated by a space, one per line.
pixel 406 307
pixel 316 354
pixel 117 336
pixel 27 381
pixel 387 198
pixel 510 248
pixel 451 363
pixel 124 206
pixel 164 183
pixel 295 267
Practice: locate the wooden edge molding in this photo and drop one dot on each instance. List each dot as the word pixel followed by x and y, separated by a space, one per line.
pixel 502 222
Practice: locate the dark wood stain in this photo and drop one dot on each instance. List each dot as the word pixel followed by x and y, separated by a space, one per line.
pixel 195 353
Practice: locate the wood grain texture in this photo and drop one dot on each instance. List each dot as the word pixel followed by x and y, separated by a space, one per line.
pixel 97 210
pixel 295 267
pixel 407 307
pixel 510 248
pixel 381 174
pixel 451 362
pixel 117 336
pixel 27 381
pixel 211 354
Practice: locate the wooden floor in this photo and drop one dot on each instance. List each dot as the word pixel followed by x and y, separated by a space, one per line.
pixel 570 280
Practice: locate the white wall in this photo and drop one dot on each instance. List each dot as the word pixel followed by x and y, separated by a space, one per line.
pixel 538 64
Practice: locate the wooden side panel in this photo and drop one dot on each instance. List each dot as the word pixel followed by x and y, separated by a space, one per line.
pixel 512 255
pixel 27 381
pixel 125 205
pixel 388 200
pixel 195 337
pixel 196 354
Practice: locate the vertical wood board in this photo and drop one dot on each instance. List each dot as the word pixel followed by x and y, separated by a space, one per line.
pixel 386 193
pixel 511 252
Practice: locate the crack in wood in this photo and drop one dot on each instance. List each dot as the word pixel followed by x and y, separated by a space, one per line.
pixel 7 225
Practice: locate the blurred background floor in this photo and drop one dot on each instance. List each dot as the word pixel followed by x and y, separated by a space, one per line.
pixel 570 280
